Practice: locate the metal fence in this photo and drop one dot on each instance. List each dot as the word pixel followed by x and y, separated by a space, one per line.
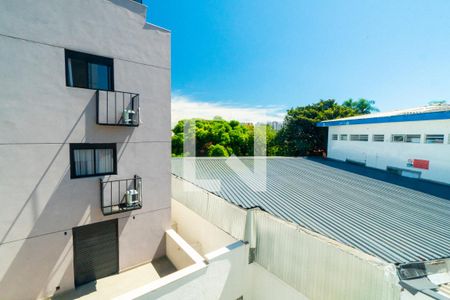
pixel 120 195
pixel 116 108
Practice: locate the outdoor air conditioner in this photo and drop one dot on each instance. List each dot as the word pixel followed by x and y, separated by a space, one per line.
pixel 132 197
pixel 128 116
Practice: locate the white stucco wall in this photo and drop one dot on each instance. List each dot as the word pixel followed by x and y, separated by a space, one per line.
pixel 383 154
pixel 206 237
pixel 223 277
pixel 41 116
pixel 263 285
pixel 203 236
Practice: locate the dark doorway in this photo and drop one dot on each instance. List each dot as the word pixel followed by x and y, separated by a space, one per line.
pixel 95 251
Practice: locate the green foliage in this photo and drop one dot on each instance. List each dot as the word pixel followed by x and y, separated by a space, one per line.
pixel 217 151
pixel 300 135
pixel 362 106
pixel 232 137
pixel 177 144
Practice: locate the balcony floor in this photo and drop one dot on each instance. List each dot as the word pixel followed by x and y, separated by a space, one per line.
pixel 116 285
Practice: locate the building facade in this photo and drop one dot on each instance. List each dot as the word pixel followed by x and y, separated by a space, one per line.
pixel 84 143
pixel 413 143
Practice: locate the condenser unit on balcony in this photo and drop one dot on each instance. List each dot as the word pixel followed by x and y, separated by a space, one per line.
pixel 132 197
pixel 128 116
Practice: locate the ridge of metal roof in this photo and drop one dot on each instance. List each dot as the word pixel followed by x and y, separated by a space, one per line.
pixel 394 218
pixel 424 113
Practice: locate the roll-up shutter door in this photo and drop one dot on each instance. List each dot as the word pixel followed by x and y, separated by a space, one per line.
pixel 96 251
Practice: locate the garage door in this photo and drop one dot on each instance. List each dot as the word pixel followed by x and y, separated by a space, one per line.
pixel 96 251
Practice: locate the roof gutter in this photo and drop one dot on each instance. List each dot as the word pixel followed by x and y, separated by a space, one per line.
pixel 440 115
pixel 414 277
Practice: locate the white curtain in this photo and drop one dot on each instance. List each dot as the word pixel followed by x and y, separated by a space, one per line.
pixel 84 162
pixel 69 66
pixel 105 161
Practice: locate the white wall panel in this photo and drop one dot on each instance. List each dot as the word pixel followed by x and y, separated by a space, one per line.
pixel 382 154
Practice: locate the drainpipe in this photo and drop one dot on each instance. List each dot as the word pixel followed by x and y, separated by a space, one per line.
pixel 250 233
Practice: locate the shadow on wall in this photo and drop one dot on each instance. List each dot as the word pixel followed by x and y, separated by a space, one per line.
pixel 35 266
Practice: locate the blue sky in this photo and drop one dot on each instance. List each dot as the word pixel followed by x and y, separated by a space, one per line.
pixel 280 54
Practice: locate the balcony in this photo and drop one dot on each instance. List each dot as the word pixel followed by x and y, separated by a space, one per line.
pixel 120 195
pixel 116 108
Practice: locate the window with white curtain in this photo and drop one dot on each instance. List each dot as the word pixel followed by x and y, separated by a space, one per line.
pixel 104 160
pixel 92 160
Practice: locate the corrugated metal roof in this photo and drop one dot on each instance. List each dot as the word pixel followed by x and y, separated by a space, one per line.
pixel 430 112
pixel 394 218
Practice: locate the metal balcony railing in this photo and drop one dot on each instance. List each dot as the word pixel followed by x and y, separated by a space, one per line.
pixel 116 108
pixel 120 195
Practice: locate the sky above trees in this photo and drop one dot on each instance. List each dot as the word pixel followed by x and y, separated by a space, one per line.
pixel 282 54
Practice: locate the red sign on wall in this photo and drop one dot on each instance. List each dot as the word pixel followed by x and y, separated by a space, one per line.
pixel 421 164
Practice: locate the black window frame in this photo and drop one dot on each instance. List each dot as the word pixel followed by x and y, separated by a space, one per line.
pixel 89 58
pixel 92 146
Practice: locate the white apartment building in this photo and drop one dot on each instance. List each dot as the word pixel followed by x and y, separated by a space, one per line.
pixel 412 142
pixel 84 143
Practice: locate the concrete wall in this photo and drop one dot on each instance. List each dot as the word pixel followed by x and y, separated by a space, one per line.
pixel 383 154
pixel 206 237
pixel 203 236
pixel 223 278
pixel 263 285
pixel 40 116
pixel 179 252
pixel 314 266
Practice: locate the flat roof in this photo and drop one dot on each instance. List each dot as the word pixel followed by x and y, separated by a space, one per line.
pixel 394 218
pixel 424 113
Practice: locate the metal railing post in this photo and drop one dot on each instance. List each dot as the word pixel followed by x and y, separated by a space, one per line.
pixel 101 195
pixel 98 105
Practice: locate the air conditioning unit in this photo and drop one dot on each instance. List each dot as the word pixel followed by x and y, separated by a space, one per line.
pixel 128 116
pixel 132 197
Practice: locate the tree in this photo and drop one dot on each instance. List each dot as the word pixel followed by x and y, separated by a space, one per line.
pixel 233 137
pixel 362 106
pixel 217 151
pixel 300 135
pixel 177 144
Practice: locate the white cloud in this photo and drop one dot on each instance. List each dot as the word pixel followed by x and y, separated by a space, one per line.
pixel 184 107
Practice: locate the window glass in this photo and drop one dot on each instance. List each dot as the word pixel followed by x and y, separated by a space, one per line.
pixel 364 137
pixel 77 73
pixel 334 137
pixel 413 138
pixel 99 77
pixel 359 137
pixel 434 139
pixel 92 160
pixel 89 71
pixel 378 138
pixel 354 137
pixel 343 137
pixel 398 138
pixel 104 161
pixel 84 162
